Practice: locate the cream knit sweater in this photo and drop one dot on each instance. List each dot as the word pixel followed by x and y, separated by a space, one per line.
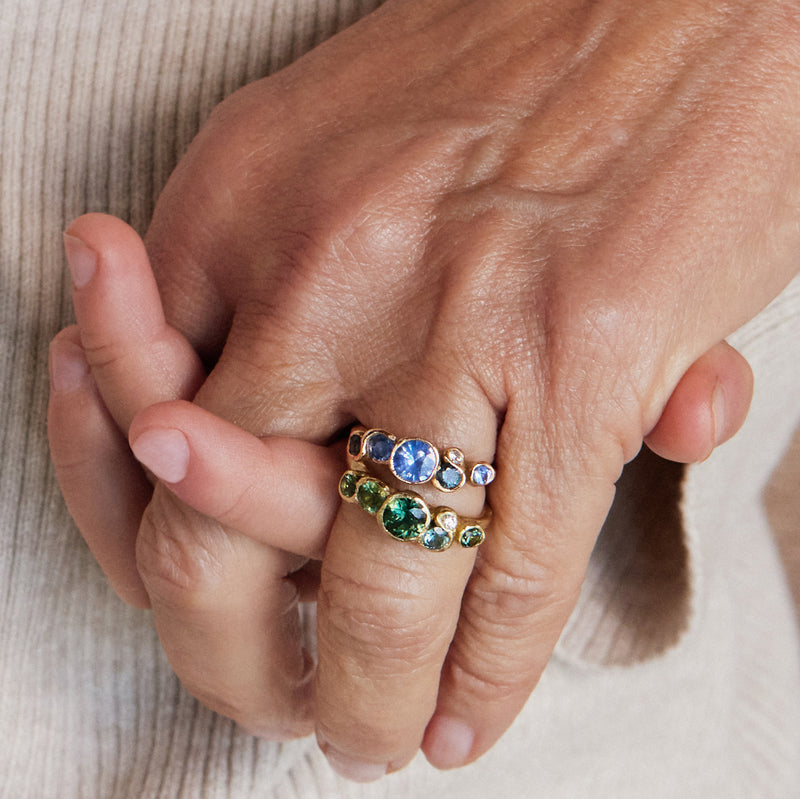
pixel 678 676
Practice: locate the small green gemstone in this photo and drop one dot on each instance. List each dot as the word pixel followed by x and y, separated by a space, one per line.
pixel 347 485
pixel 471 536
pixel 371 494
pixel 436 539
pixel 404 516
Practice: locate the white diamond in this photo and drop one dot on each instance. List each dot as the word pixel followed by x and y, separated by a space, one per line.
pixel 447 520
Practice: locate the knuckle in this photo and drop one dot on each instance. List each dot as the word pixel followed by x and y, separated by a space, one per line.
pixel 519 598
pixel 515 584
pixel 72 464
pixel 516 608
pixel 390 622
pixel 491 681
pixel 178 558
pixel 103 352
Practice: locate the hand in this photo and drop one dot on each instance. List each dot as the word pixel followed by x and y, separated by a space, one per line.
pixel 215 467
pixel 547 220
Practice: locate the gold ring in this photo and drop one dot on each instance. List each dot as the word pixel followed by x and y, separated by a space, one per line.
pixel 416 461
pixel 407 517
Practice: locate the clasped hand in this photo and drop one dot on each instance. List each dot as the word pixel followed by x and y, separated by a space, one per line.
pixel 519 228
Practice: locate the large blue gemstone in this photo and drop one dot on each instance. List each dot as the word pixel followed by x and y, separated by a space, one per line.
pixel 414 460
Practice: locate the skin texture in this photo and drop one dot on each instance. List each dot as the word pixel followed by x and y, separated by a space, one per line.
pixel 511 227
pixel 212 465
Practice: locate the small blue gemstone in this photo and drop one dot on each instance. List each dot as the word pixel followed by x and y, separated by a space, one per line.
pixel 414 461
pixel 436 539
pixel 449 477
pixel 482 474
pixel 379 447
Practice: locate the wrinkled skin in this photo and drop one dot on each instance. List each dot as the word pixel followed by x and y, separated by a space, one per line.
pixel 508 226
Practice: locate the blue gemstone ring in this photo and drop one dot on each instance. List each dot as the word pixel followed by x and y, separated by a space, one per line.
pixel 407 517
pixel 416 461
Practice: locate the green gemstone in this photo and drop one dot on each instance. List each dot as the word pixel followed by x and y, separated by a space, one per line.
pixel 404 516
pixel 371 494
pixel 436 539
pixel 347 485
pixel 471 536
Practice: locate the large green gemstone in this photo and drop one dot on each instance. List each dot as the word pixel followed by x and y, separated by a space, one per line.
pixel 347 485
pixel 371 494
pixel 404 516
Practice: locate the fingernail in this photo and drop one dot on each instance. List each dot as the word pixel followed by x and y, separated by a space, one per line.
pixel 82 260
pixel 718 414
pixel 68 366
pixel 449 742
pixel 164 452
pixel 354 770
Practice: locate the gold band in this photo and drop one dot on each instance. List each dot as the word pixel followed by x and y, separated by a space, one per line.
pixel 407 517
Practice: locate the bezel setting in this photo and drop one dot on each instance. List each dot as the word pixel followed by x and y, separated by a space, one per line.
pixel 415 461
pixel 406 516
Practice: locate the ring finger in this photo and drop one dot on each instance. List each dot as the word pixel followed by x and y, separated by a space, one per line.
pixel 388 609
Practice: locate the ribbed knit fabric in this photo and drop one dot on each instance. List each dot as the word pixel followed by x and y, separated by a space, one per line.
pixel 678 676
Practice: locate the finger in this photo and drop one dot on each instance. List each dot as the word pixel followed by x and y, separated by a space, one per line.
pixel 529 571
pixel 280 373
pixel 226 616
pixel 277 491
pixel 708 406
pixel 549 499
pixel 105 489
pixel 136 358
pixel 388 609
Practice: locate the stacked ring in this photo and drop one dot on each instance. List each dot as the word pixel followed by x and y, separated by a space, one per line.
pixel 407 517
pixel 416 461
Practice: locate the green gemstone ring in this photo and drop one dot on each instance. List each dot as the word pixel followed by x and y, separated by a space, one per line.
pixel 407 517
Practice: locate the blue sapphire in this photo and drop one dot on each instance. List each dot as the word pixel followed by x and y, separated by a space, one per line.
pixel 414 461
pixel 379 447
pixel 482 474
